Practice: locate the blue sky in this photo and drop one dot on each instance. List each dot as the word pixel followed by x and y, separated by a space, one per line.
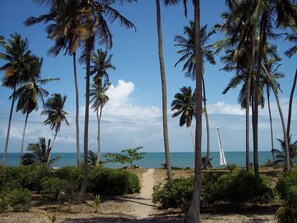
pixel 133 115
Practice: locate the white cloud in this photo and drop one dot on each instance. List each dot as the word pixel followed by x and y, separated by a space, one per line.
pixel 223 108
pixel 119 94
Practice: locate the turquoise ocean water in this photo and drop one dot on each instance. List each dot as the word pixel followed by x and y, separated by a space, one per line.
pixel 154 160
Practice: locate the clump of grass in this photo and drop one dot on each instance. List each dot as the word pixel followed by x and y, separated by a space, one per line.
pixel 52 218
pixel 96 201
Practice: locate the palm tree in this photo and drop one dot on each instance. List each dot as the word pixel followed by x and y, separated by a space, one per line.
pixel 184 106
pixel 281 155
pixel 274 75
pixel 17 56
pixel 54 109
pixel 29 94
pixel 188 55
pixel 39 153
pixel 290 52
pixel 193 214
pixel 92 158
pixel 92 17
pixel 65 30
pixel 101 63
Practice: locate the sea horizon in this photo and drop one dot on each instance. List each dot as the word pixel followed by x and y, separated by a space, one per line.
pixel 153 159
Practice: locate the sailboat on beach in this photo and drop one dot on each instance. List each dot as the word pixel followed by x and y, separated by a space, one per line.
pixel 222 155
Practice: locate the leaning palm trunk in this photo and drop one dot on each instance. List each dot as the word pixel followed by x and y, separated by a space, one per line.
pixel 193 214
pixel 288 165
pixel 290 105
pixel 51 150
pixel 164 93
pixel 86 129
pixel 9 125
pixel 271 127
pixel 207 125
pixel 76 111
pixel 98 136
pixel 23 138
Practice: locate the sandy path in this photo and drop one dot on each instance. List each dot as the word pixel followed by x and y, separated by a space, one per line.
pixel 142 205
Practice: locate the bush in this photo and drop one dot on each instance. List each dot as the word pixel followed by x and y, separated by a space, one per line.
pixel 174 194
pixel 286 215
pixel 73 174
pixel 210 189
pixel 52 187
pixel 287 181
pixel 20 200
pixel 112 182
pixel 244 187
pixel 3 205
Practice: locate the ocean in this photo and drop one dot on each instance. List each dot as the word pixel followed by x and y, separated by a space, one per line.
pixel 154 160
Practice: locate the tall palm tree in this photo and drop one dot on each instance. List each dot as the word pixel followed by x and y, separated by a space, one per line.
pixel 274 75
pixel 16 56
pixel 29 94
pixel 95 15
pixel 54 109
pixel 100 64
pixel 193 214
pixel 164 91
pixel 39 153
pixel 188 55
pixel 184 106
pixel 290 52
pixel 65 31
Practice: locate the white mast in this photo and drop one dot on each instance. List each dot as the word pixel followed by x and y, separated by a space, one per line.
pixel 222 155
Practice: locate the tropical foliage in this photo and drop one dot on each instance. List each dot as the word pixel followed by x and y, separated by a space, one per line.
pixel 39 153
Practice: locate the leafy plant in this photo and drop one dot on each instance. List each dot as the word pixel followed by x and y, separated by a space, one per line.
pixel 287 181
pixel 286 215
pixel 52 218
pixel 126 156
pixel 52 187
pixel 97 201
pixel 20 200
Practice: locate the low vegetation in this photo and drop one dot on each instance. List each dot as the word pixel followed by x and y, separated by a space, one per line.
pixel 63 185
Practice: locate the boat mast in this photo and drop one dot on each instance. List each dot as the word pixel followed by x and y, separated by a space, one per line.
pixel 222 155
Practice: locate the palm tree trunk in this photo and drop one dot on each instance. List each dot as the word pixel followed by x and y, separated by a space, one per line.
pixel 193 214
pixel 98 136
pixel 207 126
pixel 290 105
pixel 9 125
pixel 271 127
pixel 86 129
pixel 288 164
pixel 76 110
pixel 51 150
pixel 23 138
pixel 164 93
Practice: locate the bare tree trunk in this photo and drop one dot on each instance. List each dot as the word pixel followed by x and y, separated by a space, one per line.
pixel 193 214
pixel 271 127
pixel 9 125
pixel 207 125
pixel 76 111
pixel 23 138
pixel 86 129
pixel 164 93
pixel 290 105
pixel 51 150
pixel 98 136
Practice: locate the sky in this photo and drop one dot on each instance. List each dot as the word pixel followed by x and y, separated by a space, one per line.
pixel 133 115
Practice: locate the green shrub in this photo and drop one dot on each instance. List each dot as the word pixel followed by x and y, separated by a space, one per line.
pixel 74 174
pixel 210 189
pixel 52 187
pixel 3 205
pixel 174 194
pixel 286 215
pixel 292 197
pixel 244 187
pixel 112 182
pixel 20 200
pixel 288 180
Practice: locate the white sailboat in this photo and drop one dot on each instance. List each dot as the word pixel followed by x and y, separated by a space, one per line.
pixel 222 155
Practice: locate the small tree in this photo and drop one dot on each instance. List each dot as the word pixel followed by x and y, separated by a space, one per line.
pixel 126 156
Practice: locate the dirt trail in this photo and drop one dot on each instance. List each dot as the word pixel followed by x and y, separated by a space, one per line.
pixel 142 205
